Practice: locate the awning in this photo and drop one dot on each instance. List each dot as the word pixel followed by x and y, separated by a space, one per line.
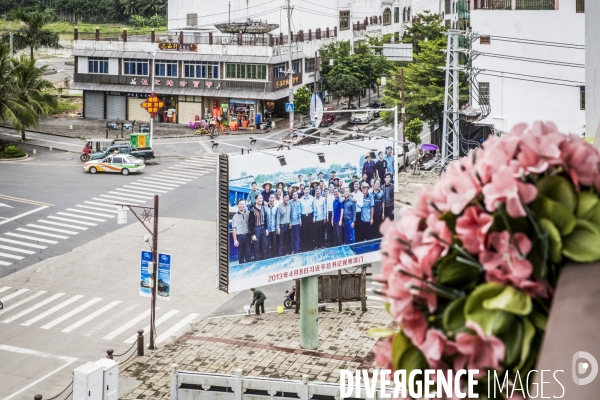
pixel 178 91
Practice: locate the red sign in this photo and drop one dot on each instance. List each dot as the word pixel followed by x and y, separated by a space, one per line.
pixel 152 105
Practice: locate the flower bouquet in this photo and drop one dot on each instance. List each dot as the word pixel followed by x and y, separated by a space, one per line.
pixel 469 272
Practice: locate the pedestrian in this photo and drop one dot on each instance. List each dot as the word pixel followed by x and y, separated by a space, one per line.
pixel 300 180
pixel 351 184
pixel 241 232
pixel 314 187
pixel 378 211
pixel 307 229
pixel 271 214
pixel 349 216
pixel 267 191
pixel 380 166
pixel 369 167
pixel 251 200
pixel 366 216
pixel 320 219
pixel 284 226
pixel 388 197
pixel 389 161
pixel 295 223
pixel 258 229
pixel 258 301
pixel 336 220
pixel 357 197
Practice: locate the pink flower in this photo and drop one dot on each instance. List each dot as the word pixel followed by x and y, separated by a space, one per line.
pixel 414 325
pixel 383 354
pixel 581 161
pixel 472 228
pixel 505 256
pixel 496 152
pixel 478 351
pixel 506 188
pixel 462 184
pixel 436 346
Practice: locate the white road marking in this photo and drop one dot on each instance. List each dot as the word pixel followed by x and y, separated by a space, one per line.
pixel 71 313
pixel 172 330
pixel 128 325
pixel 82 217
pixel 109 206
pixel 81 228
pixel 70 220
pixel 114 317
pixel 97 209
pixel 31 238
pixel 42 233
pixel 52 310
pixel 162 181
pixel 149 185
pixel 173 177
pixel 36 246
pixel 123 199
pixel 4 289
pixel 156 323
pixel 192 168
pixel 6 255
pixel 136 196
pixel 5 264
pixel 52 229
pixel 205 147
pixel 19 303
pixel 89 213
pixel 179 171
pixel 22 215
pixel 16 249
pixel 201 162
pixel 111 203
pixel 91 316
pixel 138 191
pixel 33 308
pixel 145 190
pixel 13 295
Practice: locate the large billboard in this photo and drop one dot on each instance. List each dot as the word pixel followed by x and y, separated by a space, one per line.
pixel 292 214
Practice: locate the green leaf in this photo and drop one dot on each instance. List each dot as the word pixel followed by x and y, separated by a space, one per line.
pixel 386 307
pixel 380 333
pixel 539 320
pixel 412 359
pixel 554 240
pixel 513 339
pixel 511 300
pixel 528 334
pixel 585 202
pixel 454 315
pixel 593 215
pixel 560 215
pixel 399 345
pixel 491 321
pixel 450 219
pixel 560 190
pixel 455 274
pixel 583 244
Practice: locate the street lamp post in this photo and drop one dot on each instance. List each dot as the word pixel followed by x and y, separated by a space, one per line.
pixel 153 54
pixel 147 214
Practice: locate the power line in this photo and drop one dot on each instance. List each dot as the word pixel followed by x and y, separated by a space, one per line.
pixel 531 80
pixel 536 41
pixel 225 12
pixel 531 76
pixel 250 16
pixel 535 60
pixel 575 47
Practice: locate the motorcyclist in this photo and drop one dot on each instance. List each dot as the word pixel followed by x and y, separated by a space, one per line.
pixel 292 293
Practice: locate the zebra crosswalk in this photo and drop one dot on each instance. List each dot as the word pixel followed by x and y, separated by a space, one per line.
pixel 29 239
pixel 112 320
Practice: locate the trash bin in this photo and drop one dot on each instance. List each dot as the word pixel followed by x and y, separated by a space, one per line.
pixel 247 310
pixel 280 309
pixel 257 119
pixel 139 140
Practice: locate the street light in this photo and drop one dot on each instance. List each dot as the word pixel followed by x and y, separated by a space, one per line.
pixel 281 145
pixel 147 214
pixel 153 54
pixel 281 159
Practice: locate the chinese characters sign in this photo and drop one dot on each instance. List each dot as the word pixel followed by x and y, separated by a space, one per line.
pixel 284 81
pixel 152 105
pixel 191 47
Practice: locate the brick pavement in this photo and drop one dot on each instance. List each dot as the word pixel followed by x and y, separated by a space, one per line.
pixel 266 346
pixel 409 186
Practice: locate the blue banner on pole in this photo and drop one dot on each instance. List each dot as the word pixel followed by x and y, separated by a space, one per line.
pixel 145 273
pixel 164 276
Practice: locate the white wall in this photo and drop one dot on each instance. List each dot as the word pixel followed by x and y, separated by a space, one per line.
pixel 82 65
pixel 515 101
pixel 592 71
pixel 113 66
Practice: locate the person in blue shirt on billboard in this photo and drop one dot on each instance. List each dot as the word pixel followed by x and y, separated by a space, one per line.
pixel 349 217
pixel 308 214
pixel 295 222
pixel 336 221
pixel 366 215
pixel 258 229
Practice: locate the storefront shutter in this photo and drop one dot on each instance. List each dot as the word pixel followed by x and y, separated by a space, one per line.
pixel 136 112
pixel 94 104
pixel 116 107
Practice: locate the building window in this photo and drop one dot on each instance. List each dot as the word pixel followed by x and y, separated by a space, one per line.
pixel 132 66
pixel 246 71
pixel 448 7
pixel 309 65
pixel 484 93
pixel 535 5
pixel 582 97
pixel 387 16
pixel 192 19
pixel 296 66
pixel 201 69
pixel 98 65
pixel 580 6
pixel 447 22
pixel 485 40
pixel 396 15
pixel 408 15
pixel 404 18
pixel 279 70
pixel 165 68
pixel 344 20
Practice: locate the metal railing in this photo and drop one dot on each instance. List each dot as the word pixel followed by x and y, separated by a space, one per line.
pixel 535 5
pixel 493 4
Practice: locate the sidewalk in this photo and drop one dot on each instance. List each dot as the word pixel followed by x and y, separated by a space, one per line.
pixel 409 186
pixel 265 346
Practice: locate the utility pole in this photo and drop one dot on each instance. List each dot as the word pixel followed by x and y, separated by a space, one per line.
pixel 291 70
pixel 315 84
pixel 403 118
pixel 451 125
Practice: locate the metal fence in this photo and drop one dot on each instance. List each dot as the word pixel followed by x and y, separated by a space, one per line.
pixel 535 5
pixel 493 4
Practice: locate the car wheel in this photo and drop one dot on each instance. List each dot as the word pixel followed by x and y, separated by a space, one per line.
pixel 93 170
pixel 125 171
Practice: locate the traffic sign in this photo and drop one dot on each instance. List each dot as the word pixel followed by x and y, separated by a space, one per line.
pixel 152 105
pixel 164 277
pixel 289 107
pixel 145 273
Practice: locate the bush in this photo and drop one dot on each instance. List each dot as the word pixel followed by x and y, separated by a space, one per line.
pixel 138 21
pixel 11 150
pixel 156 21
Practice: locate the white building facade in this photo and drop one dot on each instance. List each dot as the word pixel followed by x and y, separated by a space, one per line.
pixel 531 61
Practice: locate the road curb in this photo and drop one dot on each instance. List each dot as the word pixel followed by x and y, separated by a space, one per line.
pixel 14 159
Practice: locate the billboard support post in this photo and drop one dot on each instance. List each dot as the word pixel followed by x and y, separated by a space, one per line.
pixel 309 328
pixel 397 166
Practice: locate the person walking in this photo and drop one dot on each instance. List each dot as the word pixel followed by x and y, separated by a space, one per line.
pixel 320 219
pixel 271 214
pixel 378 212
pixel 284 226
pixel 308 211
pixel 258 229
pixel 258 301
pixel 295 222
pixel 388 197
pixel 336 220
pixel 366 216
pixel 349 216
pixel 241 232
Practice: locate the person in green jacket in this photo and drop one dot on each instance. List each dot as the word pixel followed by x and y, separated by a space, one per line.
pixel 258 301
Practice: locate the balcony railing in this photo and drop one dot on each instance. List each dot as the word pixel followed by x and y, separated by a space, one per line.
pixel 493 4
pixel 520 5
pixel 535 4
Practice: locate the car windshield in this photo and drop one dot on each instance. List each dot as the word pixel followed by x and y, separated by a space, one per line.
pixel 130 160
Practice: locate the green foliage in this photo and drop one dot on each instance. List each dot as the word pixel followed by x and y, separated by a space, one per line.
pixel 11 150
pixel 302 100
pixel 33 33
pixel 344 85
pixel 413 130
pixel 65 105
pixel 139 21
pixel 156 21
pixel 428 28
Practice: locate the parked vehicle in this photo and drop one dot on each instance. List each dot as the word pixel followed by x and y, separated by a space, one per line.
pixel 328 118
pixel 290 298
pixel 145 153
pixel 267 125
pixel 303 136
pixel 121 163
pixel 350 107
pixel 361 117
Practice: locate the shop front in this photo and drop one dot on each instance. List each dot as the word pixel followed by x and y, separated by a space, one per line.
pixel 116 105
pixel 135 112
pixel 189 109
pixel 243 112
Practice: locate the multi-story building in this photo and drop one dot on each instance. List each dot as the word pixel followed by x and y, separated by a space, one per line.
pixel 531 61
pixel 200 71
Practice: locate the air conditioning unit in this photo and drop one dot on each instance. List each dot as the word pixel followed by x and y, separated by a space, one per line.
pixel 224 40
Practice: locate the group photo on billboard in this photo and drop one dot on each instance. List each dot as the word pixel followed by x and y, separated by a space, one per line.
pixel 293 214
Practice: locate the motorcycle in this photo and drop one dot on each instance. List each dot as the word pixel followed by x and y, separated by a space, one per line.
pixel 290 301
pixel 268 124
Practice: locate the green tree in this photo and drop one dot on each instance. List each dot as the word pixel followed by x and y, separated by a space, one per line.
pixel 429 28
pixel 344 86
pixel 130 7
pixel 32 91
pixel 152 7
pixel 413 131
pixel 302 101
pixel 32 33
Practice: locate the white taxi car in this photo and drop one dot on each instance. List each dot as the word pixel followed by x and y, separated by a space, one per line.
pixel 122 163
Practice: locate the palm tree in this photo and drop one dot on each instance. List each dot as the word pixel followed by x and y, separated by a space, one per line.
pixel 130 7
pixel 12 110
pixel 33 91
pixel 153 7
pixel 32 34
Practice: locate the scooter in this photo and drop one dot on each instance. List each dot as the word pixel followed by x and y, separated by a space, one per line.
pixel 290 301
pixel 268 124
